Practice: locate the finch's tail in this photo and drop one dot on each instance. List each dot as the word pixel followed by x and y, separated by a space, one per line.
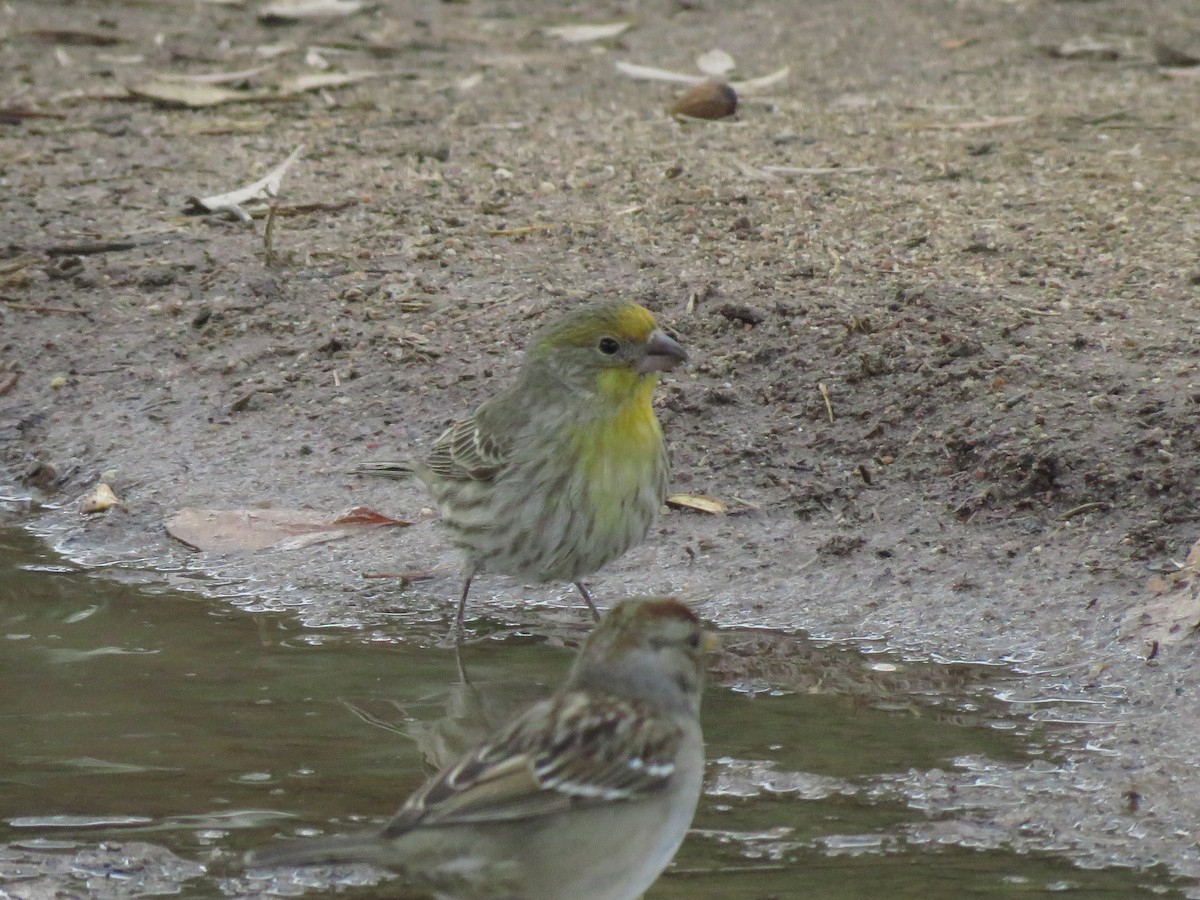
pixel 342 848
pixel 386 469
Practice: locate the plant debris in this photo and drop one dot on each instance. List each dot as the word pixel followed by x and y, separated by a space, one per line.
pixel 231 530
pixel 1084 47
pixel 287 12
pixel 1170 58
pixel 265 189
pixel 698 503
pixel 1171 612
pixel 582 34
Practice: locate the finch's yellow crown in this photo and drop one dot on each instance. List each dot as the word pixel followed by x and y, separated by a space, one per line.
pixel 621 318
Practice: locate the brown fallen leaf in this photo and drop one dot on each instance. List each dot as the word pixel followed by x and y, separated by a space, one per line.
pixel 367 517
pixel 13 115
pixel 698 503
pixel 72 37
pixel 232 530
pixel 1170 58
pixel 1171 614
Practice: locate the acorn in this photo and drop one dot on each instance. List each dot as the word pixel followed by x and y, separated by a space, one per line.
pixel 707 100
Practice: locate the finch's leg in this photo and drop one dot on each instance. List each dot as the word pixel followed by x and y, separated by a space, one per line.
pixel 462 601
pixel 587 598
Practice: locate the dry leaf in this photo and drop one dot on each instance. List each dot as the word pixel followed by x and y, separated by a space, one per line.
pixel 362 515
pixel 1167 620
pixel 271 51
pixel 698 503
pixel 265 188
pixel 99 499
pixel 70 36
pixel 230 530
pixel 715 63
pixel 1082 48
pixel 211 77
pixel 282 12
pixel 819 170
pixel 746 86
pixel 132 59
pixel 754 172
pixel 1157 584
pixel 1172 614
pixel 754 85
pixel 1168 57
pixel 582 34
pixel 650 73
pixel 974 125
pixel 318 81
pixel 190 95
pixel 12 115
pixel 469 83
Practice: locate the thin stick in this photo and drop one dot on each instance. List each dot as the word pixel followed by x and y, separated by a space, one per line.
pixel 1083 508
pixel 825 393
pixel 269 236
pixel 30 307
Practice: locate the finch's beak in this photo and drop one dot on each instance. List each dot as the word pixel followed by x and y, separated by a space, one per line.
pixel 661 354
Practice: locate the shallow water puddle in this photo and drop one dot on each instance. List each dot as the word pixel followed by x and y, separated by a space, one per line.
pixel 150 739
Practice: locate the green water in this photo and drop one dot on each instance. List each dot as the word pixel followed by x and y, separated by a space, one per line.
pixel 148 739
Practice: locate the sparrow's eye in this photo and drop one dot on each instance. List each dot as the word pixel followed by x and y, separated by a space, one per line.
pixel 609 346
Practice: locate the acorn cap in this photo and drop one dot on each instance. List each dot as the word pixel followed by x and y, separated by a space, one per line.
pixel 707 100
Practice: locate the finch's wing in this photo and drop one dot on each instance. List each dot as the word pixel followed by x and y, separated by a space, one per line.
pixel 466 451
pixel 570 751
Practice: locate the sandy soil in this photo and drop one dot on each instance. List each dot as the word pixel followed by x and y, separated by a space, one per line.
pixel 945 373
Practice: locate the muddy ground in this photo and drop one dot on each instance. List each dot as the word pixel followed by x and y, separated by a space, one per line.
pixel 945 375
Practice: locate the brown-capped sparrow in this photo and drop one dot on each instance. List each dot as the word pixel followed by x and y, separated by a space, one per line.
pixel 585 796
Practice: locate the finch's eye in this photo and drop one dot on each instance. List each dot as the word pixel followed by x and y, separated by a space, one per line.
pixel 609 346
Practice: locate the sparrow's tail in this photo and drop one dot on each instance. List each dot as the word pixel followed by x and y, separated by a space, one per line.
pixel 342 848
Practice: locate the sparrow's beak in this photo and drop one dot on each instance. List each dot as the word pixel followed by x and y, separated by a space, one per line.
pixel 661 354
